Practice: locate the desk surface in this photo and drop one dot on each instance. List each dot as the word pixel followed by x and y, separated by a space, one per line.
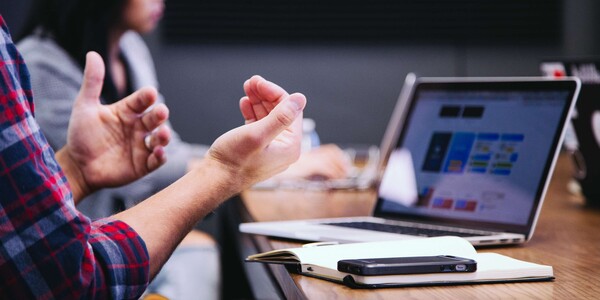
pixel 567 237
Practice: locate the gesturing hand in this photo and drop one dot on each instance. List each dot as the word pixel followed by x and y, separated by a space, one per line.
pixel 270 140
pixel 328 161
pixel 105 143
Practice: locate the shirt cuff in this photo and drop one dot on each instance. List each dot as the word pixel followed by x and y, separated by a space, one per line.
pixel 126 264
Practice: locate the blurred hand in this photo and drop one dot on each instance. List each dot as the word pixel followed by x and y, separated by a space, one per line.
pixel 270 140
pixel 324 162
pixel 106 143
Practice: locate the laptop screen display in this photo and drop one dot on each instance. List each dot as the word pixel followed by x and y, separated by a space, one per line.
pixel 475 153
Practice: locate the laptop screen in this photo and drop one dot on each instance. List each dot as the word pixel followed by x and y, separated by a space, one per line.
pixel 475 153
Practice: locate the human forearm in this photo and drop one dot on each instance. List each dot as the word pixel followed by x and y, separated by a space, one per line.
pixel 165 218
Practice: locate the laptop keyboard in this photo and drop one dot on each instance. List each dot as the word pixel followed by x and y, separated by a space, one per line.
pixel 408 230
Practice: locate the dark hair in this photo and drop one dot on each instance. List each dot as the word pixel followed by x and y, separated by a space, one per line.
pixel 78 26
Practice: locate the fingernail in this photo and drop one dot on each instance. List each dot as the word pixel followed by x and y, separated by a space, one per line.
pixel 297 101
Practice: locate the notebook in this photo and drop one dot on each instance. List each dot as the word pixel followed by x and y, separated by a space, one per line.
pixel 322 262
pixel 467 157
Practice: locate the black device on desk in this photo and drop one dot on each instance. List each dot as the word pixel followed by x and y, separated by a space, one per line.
pixel 407 265
pixel 583 141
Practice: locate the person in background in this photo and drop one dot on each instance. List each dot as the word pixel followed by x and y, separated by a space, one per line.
pixel 52 251
pixel 55 40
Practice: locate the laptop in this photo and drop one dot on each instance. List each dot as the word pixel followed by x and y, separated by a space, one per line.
pixel 468 157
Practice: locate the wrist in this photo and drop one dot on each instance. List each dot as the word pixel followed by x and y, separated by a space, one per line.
pixel 225 178
pixel 74 175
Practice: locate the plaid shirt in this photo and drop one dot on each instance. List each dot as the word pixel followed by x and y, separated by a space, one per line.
pixel 48 249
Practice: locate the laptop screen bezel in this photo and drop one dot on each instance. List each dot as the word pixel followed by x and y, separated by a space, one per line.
pixel 405 107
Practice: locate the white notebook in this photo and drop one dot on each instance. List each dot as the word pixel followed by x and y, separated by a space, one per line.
pixel 321 262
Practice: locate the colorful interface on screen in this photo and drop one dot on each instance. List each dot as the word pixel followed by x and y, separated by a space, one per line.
pixel 474 155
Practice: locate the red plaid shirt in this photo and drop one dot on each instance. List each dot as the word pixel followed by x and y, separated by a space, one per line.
pixel 48 249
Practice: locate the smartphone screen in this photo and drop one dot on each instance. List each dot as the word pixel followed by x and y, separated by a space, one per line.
pixel 407 265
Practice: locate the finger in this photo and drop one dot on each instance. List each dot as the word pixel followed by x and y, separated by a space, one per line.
pixel 282 117
pixel 247 111
pixel 333 169
pixel 263 94
pixel 163 135
pixel 329 162
pixel 339 170
pixel 139 101
pixel 156 159
pixel 324 175
pixel 270 91
pixel 157 116
pixel 249 89
pixel 158 138
pixel 260 111
pixel 259 89
pixel 93 78
pixel 269 106
pixel 343 165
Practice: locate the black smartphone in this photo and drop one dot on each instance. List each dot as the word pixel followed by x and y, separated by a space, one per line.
pixel 407 265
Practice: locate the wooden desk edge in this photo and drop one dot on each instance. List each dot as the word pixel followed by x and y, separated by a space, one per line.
pixel 261 243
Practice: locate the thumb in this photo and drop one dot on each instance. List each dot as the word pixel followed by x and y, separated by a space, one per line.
pixel 282 117
pixel 93 78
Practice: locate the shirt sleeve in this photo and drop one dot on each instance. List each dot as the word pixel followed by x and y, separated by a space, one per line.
pixel 48 249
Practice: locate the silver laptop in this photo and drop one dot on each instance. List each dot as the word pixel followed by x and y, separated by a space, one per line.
pixel 468 157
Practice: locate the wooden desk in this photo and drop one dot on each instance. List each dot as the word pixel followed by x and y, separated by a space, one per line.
pixel 567 237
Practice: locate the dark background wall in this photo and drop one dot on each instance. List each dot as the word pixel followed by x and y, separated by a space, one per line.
pixel 352 84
